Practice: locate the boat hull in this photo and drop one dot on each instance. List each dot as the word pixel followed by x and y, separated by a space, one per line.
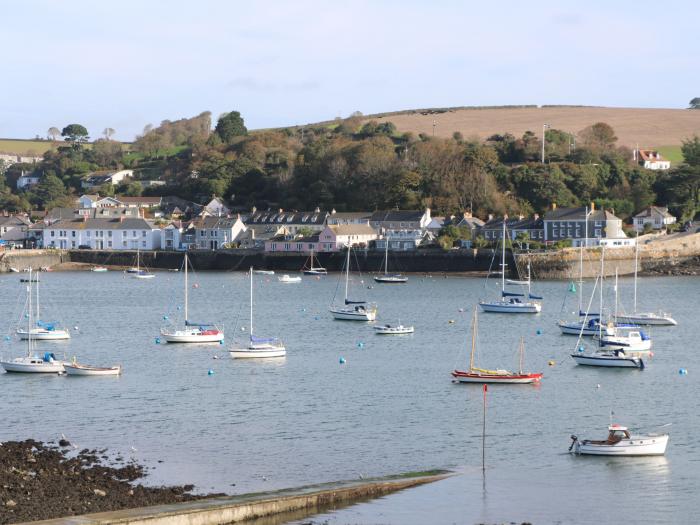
pixel 634 446
pixel 44 335
pixel 23 367
pixel 395 279
pixel 647 319
pixel 289 280
pixel 144 276
pixel 83 370
pixel 258 352
pixel 612 362
pixel 345 314
pixel 393 330
pixel 574 328
pixel 504 307
pixel 474 377
pixel 316 271
pixel 192 337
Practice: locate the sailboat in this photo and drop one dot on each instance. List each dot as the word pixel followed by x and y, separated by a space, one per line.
pixel 258 346
pixel 138 273
pixel 353 310
pixel 192 332
pixel 510 302
pixel 387 277
pixel 43 331
pixel 32 363
pixel 644 318
pixel 482 375
pixel 313 270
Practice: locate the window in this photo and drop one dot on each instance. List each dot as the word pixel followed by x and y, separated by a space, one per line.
pixel 53 233
pixel 124 244
pixel 133 233
pixel 72 244
pixel 597 233
pixel 555 234
pixel 109 243
pixel 202 233
pixel 286 246
pixel 109 234
pixel 72 233
pixel 143 233
pixel 273 246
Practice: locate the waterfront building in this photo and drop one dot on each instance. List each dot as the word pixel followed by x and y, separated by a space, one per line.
pixel 333 238
pixel 292 221
pixel 657 217
pixel 213 233
pixel 113 233
pixel 533 228
pixel 14 229
pixel 574 223
pixel 353 217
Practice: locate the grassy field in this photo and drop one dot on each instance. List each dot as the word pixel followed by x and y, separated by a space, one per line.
pixel 648 128
pixel 26 148
pixel 672 153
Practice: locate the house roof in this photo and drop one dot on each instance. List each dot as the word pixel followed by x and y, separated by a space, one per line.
pixel 282 218
pixel 128 223
pixel 14 220
pixel 579 214
pixel 650 154
pixel 155 201
pixel 397 216
pixel 210 222
pixel 648 212
pixel 94 197
pixel 353 229
pixel 350 215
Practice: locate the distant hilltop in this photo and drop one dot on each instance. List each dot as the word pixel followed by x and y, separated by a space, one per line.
pixel 633 126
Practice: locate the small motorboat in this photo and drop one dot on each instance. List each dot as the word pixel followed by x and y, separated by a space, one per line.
pixel 621 443
pixel 264 272
pixel 76 369
pixel 627 338
pixel 390 279
pixel 289 279
pixel 33 364
pixel 610 358
pixel 98 269
pixel 388 329
pixel 44 333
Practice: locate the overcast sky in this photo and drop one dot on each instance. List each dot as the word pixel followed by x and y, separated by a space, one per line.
pixel 124 64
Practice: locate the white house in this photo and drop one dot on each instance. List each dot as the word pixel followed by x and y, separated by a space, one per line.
pixel 213 233
pixel 353 217
pixel 216 207
pixel 331 239
pixel 26 180
pixel 656 216
pixel 95 201
pixel 124 233
pixel 172 236
pixel 652 160
pixel 105 177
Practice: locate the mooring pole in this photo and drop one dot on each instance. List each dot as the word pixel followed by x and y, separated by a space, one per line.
pixel 483 435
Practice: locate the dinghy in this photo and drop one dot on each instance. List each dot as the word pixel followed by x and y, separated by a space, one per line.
pixel 76 369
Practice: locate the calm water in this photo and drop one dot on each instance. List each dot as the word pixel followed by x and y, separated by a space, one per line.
pixel 391 408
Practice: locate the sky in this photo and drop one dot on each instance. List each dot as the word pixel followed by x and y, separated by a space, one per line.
pixel 124 64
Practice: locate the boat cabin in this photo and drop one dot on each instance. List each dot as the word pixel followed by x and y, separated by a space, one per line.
pixel 617 433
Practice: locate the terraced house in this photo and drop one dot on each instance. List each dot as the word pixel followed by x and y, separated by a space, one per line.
pixel 122 233
pixel 212 233
pixel 579 224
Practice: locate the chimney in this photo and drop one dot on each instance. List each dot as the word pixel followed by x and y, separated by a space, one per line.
pixel 280 210
pixel 554 206
pixel 467 215
pixel 521 217
pixel 317 210
pixel 333 211
pixel 536 216
pixel 490 217
pixel 253 209
pixel 592 206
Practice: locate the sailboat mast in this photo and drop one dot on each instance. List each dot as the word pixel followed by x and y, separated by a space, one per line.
pixel 528 277
pixel 386 257
pixel 138 257
pixel 37 297
pixel 580 266
pixel 503 256
pixel 522 351
pixel 251 303
pixel 615 292
pixel 636 263
pixel 474 329
pixel 347 273
pixel 602 278
pixel 186 288
pixel 30 313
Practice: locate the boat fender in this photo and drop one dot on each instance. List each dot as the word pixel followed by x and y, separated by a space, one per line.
pixel 221 342
pixel 76 328
pixel 165 318
pixel 574 439
pixel 581 349
pixel 598 385
pixel 341 360
pixel 641 364
pixel 539 332
pixel 210 372
pixel 683 372
pixel 157 340
pixel 551 363
pixel 360 345
pixel 7 338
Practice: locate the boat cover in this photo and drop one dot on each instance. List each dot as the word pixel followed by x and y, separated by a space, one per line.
pixel 46 326
pixel 511 294
pixel 348 301
pixel 531 296
pixel 190 323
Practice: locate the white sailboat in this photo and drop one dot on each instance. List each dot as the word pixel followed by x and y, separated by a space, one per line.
pixel 43 331
pixel 643 318
pixel 192 332
pixel 353 310
pixel 32 363
pixel 258 347
pixel 314 270
pixel 138 272
pixel 510 302
pixel 387 277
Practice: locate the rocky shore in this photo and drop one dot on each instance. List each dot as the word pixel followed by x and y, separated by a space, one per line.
pixel 686 266
pixel 43 480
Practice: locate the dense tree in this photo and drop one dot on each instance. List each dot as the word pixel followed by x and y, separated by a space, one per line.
pixel 53 133
pixel 598 137
pixel 108 133
pixel 49 190
pixel 229 126
pixel 695 103
pixel 75 133
pixel 691 151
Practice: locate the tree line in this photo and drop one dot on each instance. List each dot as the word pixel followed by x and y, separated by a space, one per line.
pixel 354 164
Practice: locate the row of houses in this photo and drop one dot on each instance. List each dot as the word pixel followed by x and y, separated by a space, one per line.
pixel 118 223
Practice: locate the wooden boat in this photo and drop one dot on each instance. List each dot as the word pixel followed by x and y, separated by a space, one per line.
pixel 353 310
pixel 289 279
pixel 76 369
pixel 191 332
pixel 481 375
pixel 388 329
pixel 258 347
pixel 388 278
pixel 621 442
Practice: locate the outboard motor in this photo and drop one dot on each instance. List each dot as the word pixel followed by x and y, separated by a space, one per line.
pixel 574 439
